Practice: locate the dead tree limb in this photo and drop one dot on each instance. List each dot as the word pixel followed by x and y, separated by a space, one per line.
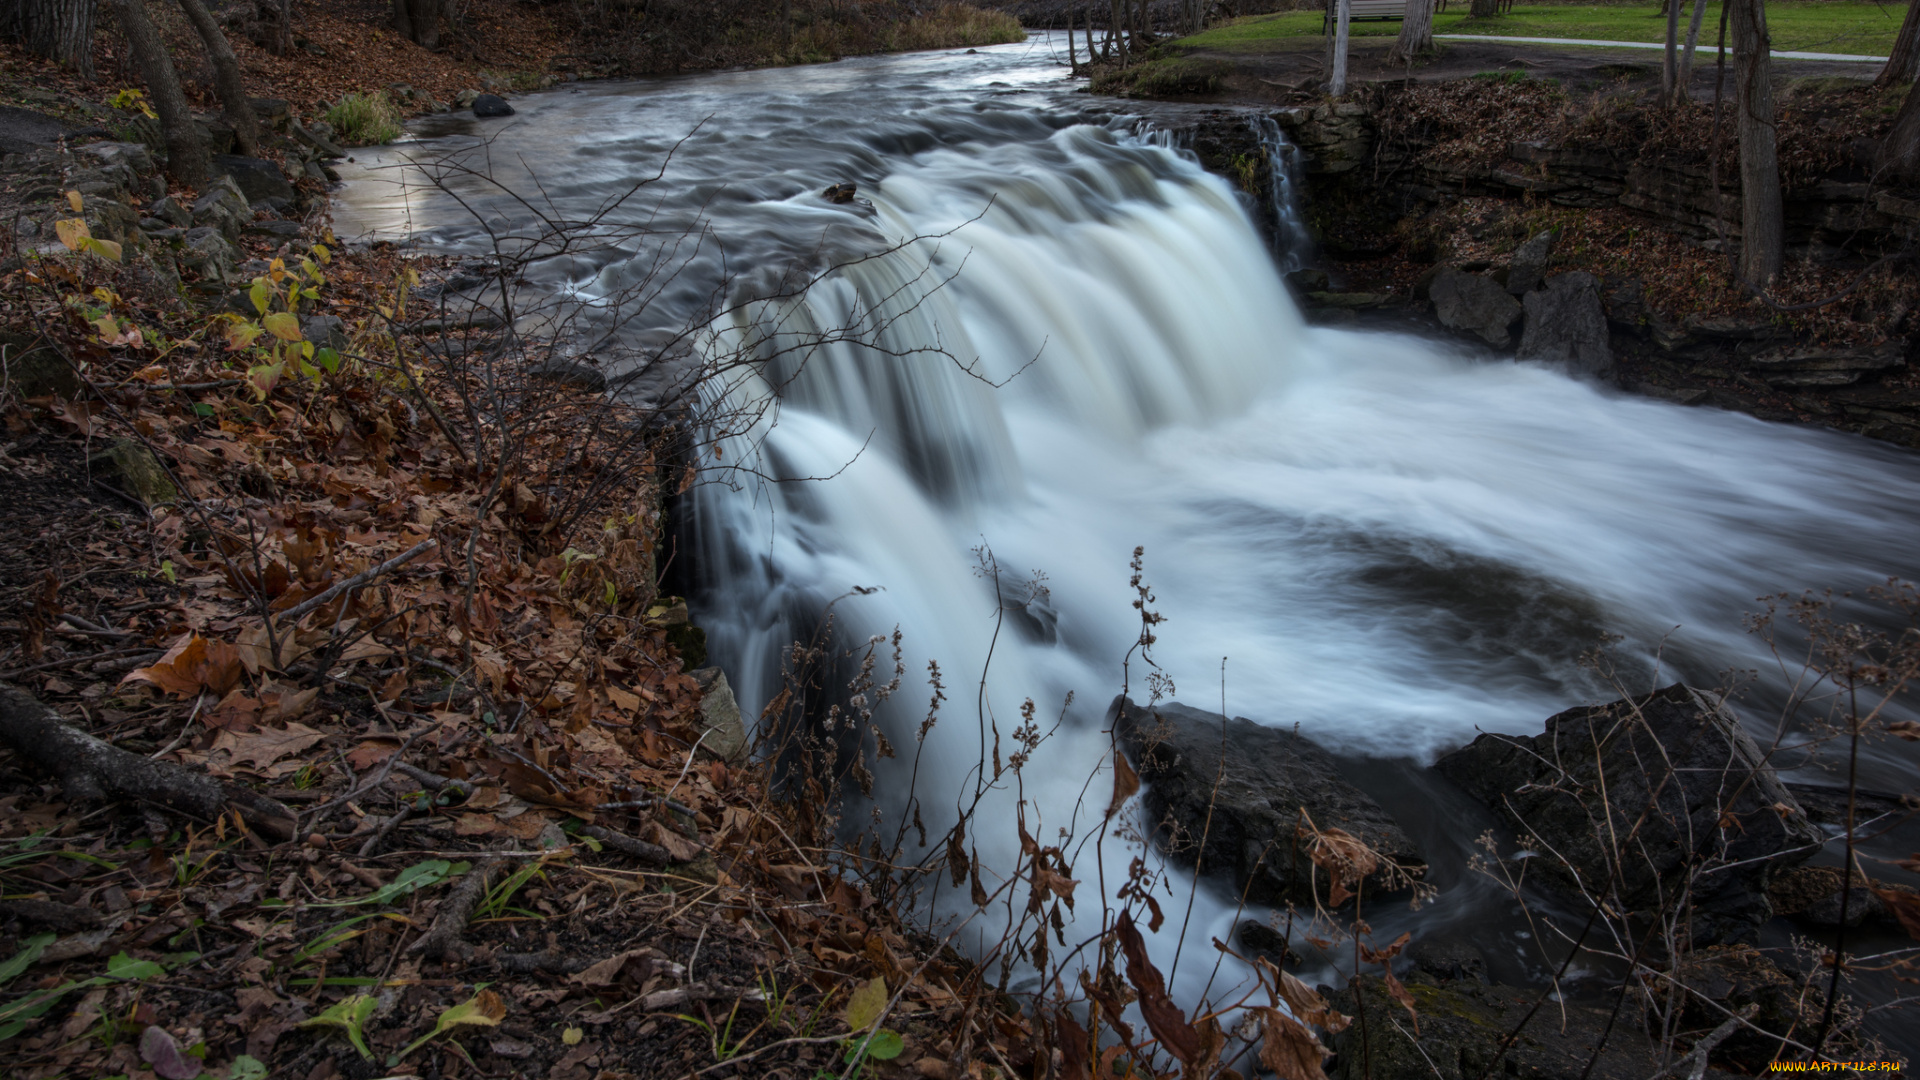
pixel 91 769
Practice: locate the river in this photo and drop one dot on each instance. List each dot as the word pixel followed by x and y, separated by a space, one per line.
pixel 1391 542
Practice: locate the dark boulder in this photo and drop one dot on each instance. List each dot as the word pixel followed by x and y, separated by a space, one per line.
pixel 31 368
pixel 1566 324
pixel 1685 786
pixel 486 105
pixel 1474 304
pixel 569 373
pixel 256 178
pixel 1529 266
pixel 1271 776
pixel 1463 1025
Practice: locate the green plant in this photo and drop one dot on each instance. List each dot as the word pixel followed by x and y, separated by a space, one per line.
pixel 276 296
pixel 495 903
pixel 483 1009
pixel 351 1017
pixel 365 119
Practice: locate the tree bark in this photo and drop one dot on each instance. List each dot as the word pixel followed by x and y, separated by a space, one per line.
pixel 1900 152
pixel 1483 9
pixel 1903 66
pixel 419 21
pixel 1670 68
pixel 60 30
pixel 186 154
pixel 1762 216
pixel 1342 22
pixel 91 769
pixel 1416 33
pixel 1686 55
pixel 226 77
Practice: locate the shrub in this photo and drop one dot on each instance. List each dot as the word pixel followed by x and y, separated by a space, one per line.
pixel 365 119
pixel 1175 77
pixel 956 26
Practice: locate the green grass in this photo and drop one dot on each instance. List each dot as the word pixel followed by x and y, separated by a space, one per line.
pixel 365 119
pixel 1833 26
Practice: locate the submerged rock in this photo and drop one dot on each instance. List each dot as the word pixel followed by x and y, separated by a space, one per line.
pixel 1672 770
pixel 1475 304
pixel 1566 324
pixel 1266 780
pixel 486 105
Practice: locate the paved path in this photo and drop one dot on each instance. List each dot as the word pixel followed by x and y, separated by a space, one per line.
pixel 1657 45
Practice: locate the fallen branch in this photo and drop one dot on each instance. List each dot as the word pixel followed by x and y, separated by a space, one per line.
pixel 1694 1065
pixel 293 614
pixel 451 921
pixel 627 845
pixel 91 769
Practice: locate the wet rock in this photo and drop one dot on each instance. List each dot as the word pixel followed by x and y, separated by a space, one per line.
pixel 1463 1025
pixel 487 105
pixel 1680 775
pixel 1566 325
pixel 1813 895
pixel 1626 304
pixel 1449 960
pixel 1259 939
pixel 110 220
pixel 1739 976
pixel 1310 280
pixel 1267 779
pixel 569 373
pixel 313 137
pixel 840 194
pixel 1804 365
pixel 465 99
pixel 1475 304
pixel 256 178
pixel 1529 266
pixel 279 230
pixel 725 729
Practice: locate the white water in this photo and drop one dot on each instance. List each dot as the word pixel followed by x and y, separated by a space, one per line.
pixel 1392 543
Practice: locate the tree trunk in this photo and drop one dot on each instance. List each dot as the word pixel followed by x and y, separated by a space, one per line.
pixel 1903 66
pixel 226 77
pixel 1686 55
pixel 1342 21
pixel 419 21
pixel 1900 152
pixel 1762 217
pixel 186 154
pixel 1114 32
pixel 1416 33
pixel 1670 68
pixel 60 30
pixel 1483 9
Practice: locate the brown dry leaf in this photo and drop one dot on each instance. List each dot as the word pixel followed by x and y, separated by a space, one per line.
pixel 1126 783
pixel 193 664
pixel 1168 1022
pixel 1288 1049
pixel 263 748
pixel 1905 907
pixel 371 752
pixel 1305 1002
pixel 622 700
pixel 1399 993
pixel 1906 729
pixel 678 846
pixel 607 972
pixel 475 825
pixel 236 712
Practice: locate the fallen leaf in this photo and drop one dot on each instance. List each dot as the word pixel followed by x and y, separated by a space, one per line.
pixel 268 745
pixel 158 1049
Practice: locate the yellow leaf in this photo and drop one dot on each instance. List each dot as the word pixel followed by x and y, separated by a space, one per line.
pixel 484 1009
pixel 866 1005
pixel 572 1036
pixel 72 231
pixel 321 252
pixel 283 325
pixel 106 249
pixel 73 200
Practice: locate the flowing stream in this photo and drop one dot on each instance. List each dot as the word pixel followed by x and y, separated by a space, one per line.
pixel 1390 542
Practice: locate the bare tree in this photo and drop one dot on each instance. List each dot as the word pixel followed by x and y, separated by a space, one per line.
pixel 1416 33
pixel 186 153
pixel 1762 215
pixel 1343 19
pixel 1903 66
pixel 60 30
pixel 226 76
pixel 1686 54
pixel 1484 9
pixel 1670 67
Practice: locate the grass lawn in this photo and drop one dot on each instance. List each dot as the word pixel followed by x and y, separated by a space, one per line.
pixel 1832 26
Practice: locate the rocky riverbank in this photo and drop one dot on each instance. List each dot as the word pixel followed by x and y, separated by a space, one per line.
pixel 1498 212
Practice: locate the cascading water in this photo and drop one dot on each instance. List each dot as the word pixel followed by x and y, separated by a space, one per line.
pixel 1390 542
